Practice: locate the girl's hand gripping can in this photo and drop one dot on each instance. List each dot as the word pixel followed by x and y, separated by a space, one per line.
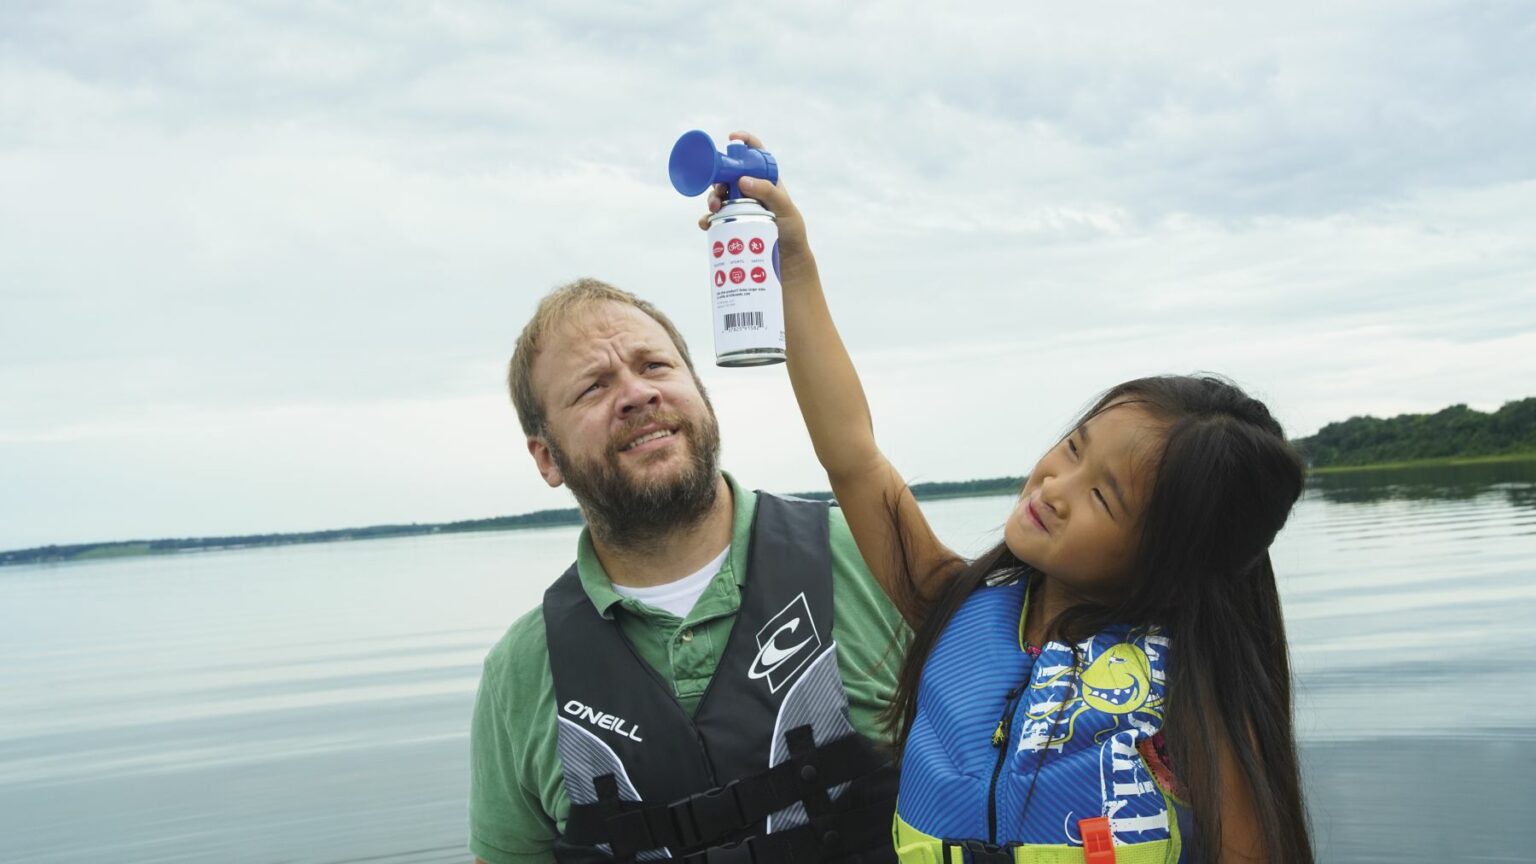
pixel 743 240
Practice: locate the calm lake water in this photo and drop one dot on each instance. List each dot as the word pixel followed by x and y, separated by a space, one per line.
pixel 311 703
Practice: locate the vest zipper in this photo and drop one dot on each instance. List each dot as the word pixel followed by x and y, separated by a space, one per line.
pixel 1000 737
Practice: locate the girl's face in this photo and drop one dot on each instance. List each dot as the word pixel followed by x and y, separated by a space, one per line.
pixel 1079 517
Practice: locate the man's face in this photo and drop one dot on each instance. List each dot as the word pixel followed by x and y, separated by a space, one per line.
pixel 627 427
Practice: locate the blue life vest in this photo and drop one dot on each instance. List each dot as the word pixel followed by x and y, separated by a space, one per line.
pixel 1013 758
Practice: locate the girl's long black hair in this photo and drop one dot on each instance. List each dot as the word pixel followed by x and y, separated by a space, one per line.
pixel 1225 483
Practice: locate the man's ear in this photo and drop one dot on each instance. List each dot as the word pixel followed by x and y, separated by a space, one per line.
pixel 546 462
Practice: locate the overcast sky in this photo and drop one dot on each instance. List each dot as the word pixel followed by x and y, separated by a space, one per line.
pixel 262 264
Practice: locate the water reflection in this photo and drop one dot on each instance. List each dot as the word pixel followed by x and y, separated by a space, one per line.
pixel 311 704
pixel 1408 595
pixel 1515 480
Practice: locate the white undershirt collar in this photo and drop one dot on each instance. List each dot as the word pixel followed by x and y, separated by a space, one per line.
pixel 678 596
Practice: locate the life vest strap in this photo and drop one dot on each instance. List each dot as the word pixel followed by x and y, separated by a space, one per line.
pixel 714 816
pixel 979 852
pixel 858 836
pixel 916 847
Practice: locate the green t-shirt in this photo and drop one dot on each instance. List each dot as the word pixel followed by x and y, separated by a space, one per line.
pixel 517 800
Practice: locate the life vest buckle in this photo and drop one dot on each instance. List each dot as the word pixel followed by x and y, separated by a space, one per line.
pixel 981 852
pixel 704 818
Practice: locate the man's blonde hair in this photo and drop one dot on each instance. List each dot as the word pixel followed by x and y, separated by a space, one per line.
pixel 558 306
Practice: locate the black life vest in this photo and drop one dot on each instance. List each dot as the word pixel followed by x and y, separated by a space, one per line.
pixel 767 769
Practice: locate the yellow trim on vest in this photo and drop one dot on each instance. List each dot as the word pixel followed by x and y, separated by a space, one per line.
pixel 915 847
pixel 1024 613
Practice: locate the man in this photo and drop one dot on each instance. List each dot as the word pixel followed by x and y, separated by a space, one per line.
pixel 706 636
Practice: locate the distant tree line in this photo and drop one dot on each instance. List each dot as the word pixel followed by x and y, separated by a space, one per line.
pixel 968 488
pixel 87 551
pixel 1454 431
pixel 947 489
pixel 537 519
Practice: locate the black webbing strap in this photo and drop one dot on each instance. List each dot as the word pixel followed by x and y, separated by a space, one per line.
pixel 862 834
pixel 809 768
pixel 711 817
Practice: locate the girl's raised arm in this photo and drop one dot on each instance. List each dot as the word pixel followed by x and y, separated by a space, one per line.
pixel 900 548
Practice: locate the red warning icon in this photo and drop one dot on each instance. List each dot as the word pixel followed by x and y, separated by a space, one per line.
pixel 738 275
pixel 719 249
pixel 719 278
pixel 759 275
pixel 756 245
pixel 735 246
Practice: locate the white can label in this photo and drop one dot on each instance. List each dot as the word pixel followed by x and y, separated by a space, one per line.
pixel 744 276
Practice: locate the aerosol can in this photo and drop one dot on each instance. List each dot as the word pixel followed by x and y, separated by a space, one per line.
pixel 743 244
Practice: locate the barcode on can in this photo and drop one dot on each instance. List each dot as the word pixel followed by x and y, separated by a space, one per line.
pixel 743 321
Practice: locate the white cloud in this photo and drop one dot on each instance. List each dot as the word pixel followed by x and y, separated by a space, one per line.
pixel 234 235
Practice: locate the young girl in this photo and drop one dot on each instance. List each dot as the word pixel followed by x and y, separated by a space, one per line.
pixel 1110 683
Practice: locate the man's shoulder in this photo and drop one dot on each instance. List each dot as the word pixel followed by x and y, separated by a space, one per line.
pixel 521 649
pixel 844 548
pixel 853 581
pixel 790 496
pixel 515 779
pixel 842 537
pixel 834 513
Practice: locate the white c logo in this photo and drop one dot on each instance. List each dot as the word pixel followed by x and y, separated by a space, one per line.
pixel 771 655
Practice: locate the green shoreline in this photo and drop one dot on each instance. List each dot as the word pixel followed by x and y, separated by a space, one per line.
pixel 937 491
pixel 58 554
pixel 1437 462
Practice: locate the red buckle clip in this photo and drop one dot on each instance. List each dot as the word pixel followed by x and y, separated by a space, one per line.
pixel 1098 840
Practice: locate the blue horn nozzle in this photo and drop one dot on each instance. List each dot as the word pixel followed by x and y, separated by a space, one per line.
pixel 696 164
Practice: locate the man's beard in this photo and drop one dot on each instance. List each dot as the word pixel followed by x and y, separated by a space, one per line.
pixel 637 514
